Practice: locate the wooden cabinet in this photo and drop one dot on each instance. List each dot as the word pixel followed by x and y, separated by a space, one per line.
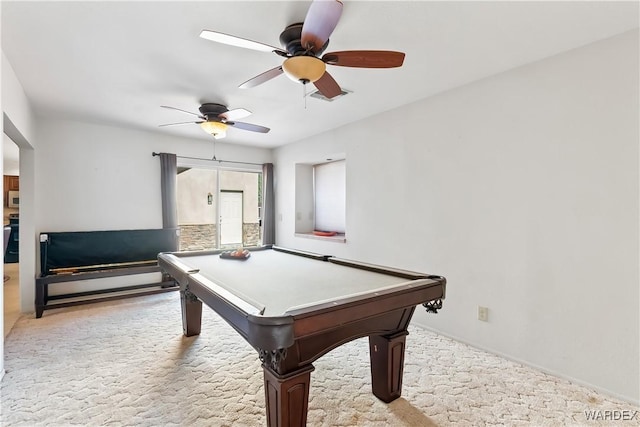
pixel 10 183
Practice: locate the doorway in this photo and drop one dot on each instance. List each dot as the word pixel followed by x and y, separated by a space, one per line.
pixel 231 218
pixel 11 276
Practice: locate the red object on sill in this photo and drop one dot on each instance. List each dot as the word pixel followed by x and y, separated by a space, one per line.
pixel 324 233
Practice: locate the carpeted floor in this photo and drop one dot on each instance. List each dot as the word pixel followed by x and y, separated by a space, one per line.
pixel 126 363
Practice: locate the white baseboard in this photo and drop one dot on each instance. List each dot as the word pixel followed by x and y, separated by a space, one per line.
pixel 534 366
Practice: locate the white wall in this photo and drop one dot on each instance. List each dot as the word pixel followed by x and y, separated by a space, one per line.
pixel 92 177
pixel 10 157
pixel 304 198
pixel 14 101
pixel 521 189
pixel 17 124
pixel 193 205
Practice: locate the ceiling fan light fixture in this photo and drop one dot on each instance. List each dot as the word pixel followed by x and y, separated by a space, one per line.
pixel 216 129
pixel 305 69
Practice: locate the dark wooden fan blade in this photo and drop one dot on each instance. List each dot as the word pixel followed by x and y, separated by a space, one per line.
pixel 237 113
pixel 184 111
pixel 365 58
pixel 238 41
pixel 328 86
pixel 322 18
pixel 248 126
pixel 261 78
pixel 180 123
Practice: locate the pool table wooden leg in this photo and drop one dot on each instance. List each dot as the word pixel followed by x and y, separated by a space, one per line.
pixel 191 313
pixel 387 365
pixel 287 397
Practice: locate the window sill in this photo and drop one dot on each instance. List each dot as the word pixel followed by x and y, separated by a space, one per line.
pixel 338 238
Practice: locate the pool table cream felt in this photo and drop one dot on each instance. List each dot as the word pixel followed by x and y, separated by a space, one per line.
pixel 281 282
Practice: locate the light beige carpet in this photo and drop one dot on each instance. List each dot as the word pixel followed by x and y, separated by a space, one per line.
pixel 127 364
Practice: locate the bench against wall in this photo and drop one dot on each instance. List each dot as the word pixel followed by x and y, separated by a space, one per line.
pixel 86 255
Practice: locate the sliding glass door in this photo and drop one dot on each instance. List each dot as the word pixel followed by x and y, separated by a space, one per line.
pixel 218 208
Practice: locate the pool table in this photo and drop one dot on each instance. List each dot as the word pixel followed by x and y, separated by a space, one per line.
pixel 294 306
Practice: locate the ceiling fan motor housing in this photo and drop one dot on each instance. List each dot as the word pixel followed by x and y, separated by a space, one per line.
pixel 212 110
pixel 291 41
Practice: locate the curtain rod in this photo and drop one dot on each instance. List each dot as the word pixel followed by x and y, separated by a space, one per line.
pixel 211 160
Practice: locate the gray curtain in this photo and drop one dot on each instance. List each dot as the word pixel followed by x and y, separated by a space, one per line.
pixel 168 177
pixel 268 206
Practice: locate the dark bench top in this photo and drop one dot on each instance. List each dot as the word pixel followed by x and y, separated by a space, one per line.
pixel 87 254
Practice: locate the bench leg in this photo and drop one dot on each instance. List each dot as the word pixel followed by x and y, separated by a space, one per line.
pixel 168 281
pixel 40 299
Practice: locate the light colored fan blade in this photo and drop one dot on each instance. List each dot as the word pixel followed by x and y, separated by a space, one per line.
pixel 181 123
pixel 238 113
pixel 249 127
pixel 238 41
pixel 365 58
pixel 328 86
pixel 184 111
pixel 322 18
pixel 261 78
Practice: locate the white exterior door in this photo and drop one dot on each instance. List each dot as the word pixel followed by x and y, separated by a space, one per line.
pixel 230 217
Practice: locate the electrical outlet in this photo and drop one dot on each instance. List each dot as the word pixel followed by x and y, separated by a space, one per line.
pixel 483 313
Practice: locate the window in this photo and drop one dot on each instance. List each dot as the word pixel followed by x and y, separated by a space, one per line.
pixel 320 197
pixel 330 196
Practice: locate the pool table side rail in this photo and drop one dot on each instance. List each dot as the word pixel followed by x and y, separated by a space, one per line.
pixel 243 304
pixel 265 333
pixel 411 286
pixel 312 320
pixel 407 274
pixel 177 265
pixel 186 254
pixel 187 275
pixel 312 255
pixel 262 332
pixel 305 254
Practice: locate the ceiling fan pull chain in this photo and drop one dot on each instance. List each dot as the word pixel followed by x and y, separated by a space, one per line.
pixel 304 94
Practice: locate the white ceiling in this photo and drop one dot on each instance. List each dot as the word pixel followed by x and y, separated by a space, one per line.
pixel 117 62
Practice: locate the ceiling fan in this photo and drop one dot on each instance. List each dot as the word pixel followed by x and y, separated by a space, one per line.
pixel 215 118
pixel 303 44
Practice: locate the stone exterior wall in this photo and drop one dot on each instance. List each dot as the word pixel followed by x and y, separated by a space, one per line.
pixel 197 237
pixel 251 234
